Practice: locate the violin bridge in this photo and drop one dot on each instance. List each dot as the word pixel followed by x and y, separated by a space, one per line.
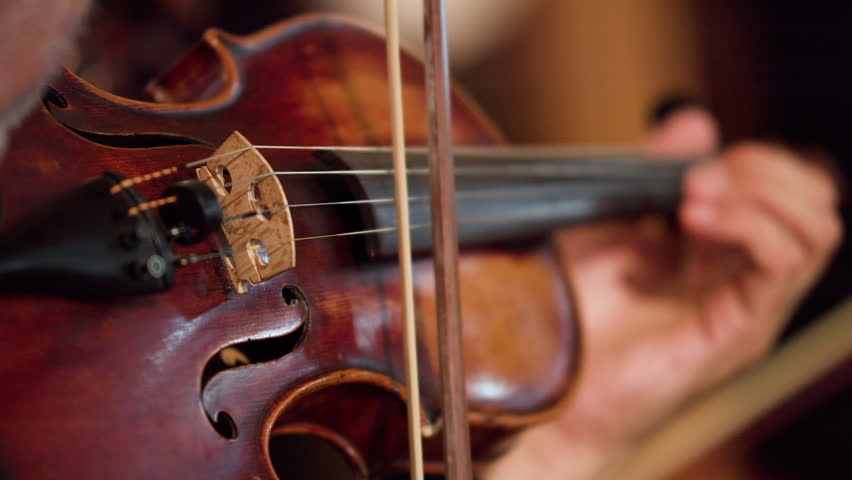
pixel 262 244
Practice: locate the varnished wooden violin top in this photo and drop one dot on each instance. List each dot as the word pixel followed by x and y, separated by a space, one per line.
pixel 202 382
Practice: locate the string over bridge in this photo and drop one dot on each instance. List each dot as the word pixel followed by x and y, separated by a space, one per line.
pixel 263 244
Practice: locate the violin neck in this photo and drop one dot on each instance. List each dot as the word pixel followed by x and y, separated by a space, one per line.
pixel 507 194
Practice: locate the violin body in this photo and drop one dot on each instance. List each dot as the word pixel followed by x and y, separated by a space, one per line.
pixel 136 387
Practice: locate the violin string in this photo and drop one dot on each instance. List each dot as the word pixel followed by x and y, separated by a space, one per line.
pixel 129 182
pixel 476 194
pixel 580 171
pixel 415 226
pixel 135 210
pixel 193 258
pixel 372 171
pixel 584 169
pixel 299 205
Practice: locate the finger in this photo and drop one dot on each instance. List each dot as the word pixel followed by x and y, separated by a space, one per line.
pixel 774 168
pixel 740 222
pixel 816 227
pixel 776 271
pixel 688 131
pixel 800 210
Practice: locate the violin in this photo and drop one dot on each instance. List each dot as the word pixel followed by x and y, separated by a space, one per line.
pixel 201 285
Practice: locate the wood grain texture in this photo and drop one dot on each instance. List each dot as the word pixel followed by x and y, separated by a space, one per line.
pixel 271 228
pixel 118 389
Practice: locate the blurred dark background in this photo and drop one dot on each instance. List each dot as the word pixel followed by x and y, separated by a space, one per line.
pixel 571 71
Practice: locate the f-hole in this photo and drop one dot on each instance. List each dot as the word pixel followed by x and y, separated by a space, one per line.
pixel 243 354
pixel 225 426
pixel 53 99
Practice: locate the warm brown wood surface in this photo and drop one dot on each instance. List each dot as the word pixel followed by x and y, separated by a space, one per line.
pixel 118 389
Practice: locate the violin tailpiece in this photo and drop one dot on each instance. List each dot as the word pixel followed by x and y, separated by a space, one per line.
pixel 263 244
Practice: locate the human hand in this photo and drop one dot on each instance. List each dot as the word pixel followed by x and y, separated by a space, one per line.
pixel 667 314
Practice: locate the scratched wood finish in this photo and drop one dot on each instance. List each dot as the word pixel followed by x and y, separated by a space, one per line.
pixel 117 389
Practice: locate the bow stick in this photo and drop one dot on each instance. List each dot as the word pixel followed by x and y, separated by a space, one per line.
pixel 445 243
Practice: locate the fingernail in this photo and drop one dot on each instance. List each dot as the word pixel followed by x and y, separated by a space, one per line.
pixel 671 103
pixel 710 180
